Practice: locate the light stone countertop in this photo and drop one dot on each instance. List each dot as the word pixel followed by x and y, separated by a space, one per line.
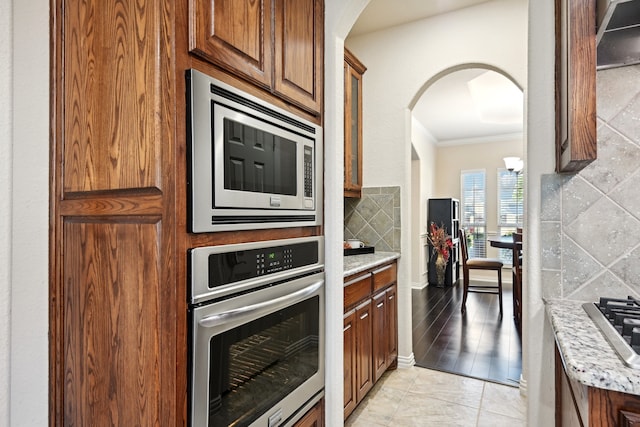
pixel 588 357
pixel 356 263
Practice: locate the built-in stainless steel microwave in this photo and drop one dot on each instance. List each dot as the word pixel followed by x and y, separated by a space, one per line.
pixel 251 164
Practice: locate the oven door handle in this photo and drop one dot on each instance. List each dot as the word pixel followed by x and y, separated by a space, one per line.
pixel 252 310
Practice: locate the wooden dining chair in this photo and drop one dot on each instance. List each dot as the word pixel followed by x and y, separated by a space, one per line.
pixel 517 279
pixel 469 264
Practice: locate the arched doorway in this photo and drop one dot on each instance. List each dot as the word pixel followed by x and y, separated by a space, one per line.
pixel 466 120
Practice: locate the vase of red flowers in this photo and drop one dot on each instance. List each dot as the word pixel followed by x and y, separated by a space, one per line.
pixel 442 245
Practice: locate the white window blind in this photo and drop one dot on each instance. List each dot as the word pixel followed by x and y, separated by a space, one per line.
pixel 510 206
pixel 473 208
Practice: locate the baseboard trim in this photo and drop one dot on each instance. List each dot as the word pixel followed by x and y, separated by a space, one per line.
pixel 523 386
pixel 405 362
pixel 415 285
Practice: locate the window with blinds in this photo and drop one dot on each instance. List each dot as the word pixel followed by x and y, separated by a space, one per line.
pixel 510 206
pixel 473 211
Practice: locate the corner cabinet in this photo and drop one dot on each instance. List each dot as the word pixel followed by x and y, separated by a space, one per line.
pixel 370 331
pixel 576 140
pixel 353 72
pixel 275 44
pixel 446 213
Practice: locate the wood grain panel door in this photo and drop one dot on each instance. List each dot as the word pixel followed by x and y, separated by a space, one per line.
pixel 349 363
pixel 111 324
pixel 117 326
pixel 364 361
pixel 235 35
pixel 392 324
pixel 576 135
pixel 298 47
pixel 112 96
pixel 379 335
pixel 353 74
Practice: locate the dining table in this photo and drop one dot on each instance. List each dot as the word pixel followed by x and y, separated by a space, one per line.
pixel 503 242
pixel 506 242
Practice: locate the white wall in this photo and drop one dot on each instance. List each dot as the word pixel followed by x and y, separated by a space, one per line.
pixel 5 206
pixel 26 187
pixel 540 159
pixel 401 61
pixel 424 145
pixel 339 18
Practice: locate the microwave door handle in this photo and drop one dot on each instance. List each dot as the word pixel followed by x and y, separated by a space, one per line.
pixel 252 310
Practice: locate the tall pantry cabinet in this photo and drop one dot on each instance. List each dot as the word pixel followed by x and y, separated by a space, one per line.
pixel 118 241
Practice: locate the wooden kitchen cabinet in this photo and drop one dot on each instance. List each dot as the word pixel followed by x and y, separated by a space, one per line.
pixel 364 349
pixel 391 325
pixel 576 139
pixel 581 405
pixel 118 208
pixel 350 362
pixel 379 337
pixel 299 52
pixel 385 320
pixel 277 45
pixel 353 72
pixel 235 35
pixel 370 331
pixel 114 298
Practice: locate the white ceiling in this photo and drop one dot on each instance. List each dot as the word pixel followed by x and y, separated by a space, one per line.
pixel 446 108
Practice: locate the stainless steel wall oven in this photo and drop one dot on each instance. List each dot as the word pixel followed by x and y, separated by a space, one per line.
pixel 257 332
pixel 251 164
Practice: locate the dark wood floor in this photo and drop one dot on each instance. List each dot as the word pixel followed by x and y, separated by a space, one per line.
pixel 477 344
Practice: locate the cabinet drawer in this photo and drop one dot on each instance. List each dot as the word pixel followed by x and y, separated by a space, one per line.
pixel 357 290
pixel 384 276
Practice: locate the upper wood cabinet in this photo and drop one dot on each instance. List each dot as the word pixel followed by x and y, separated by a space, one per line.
pixel 235 35
pixel 276 44
pixel 576 141
pixel 299 45
pixel 353 71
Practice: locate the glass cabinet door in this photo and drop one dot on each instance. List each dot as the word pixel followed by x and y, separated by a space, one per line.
pixel 353 125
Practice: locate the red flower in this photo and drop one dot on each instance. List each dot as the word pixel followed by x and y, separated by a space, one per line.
pixel 440 241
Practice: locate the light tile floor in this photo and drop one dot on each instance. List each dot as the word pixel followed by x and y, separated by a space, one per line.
pixel 423 397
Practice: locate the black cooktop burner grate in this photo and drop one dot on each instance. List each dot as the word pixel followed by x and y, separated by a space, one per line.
pixel 619 321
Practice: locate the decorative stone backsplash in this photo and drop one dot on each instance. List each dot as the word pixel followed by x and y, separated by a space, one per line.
pixel 375 218
pixel 590 225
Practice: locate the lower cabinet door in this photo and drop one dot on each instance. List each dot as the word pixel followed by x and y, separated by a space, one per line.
pixel 380 334
pixel 349 333
pixel 392 325
pixel 364 369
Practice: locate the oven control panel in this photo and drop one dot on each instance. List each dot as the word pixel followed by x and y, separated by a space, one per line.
pixel 239 265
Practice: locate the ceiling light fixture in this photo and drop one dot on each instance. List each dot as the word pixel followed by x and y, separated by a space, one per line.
pixel 513 164
pixel 496 98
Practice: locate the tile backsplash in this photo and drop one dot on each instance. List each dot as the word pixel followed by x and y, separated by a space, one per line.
pixel 590 225
pixel 374 218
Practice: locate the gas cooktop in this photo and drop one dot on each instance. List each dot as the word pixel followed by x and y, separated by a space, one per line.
pixel 619 321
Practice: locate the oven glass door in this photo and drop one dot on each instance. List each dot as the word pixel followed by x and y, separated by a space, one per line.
pixel 255 357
